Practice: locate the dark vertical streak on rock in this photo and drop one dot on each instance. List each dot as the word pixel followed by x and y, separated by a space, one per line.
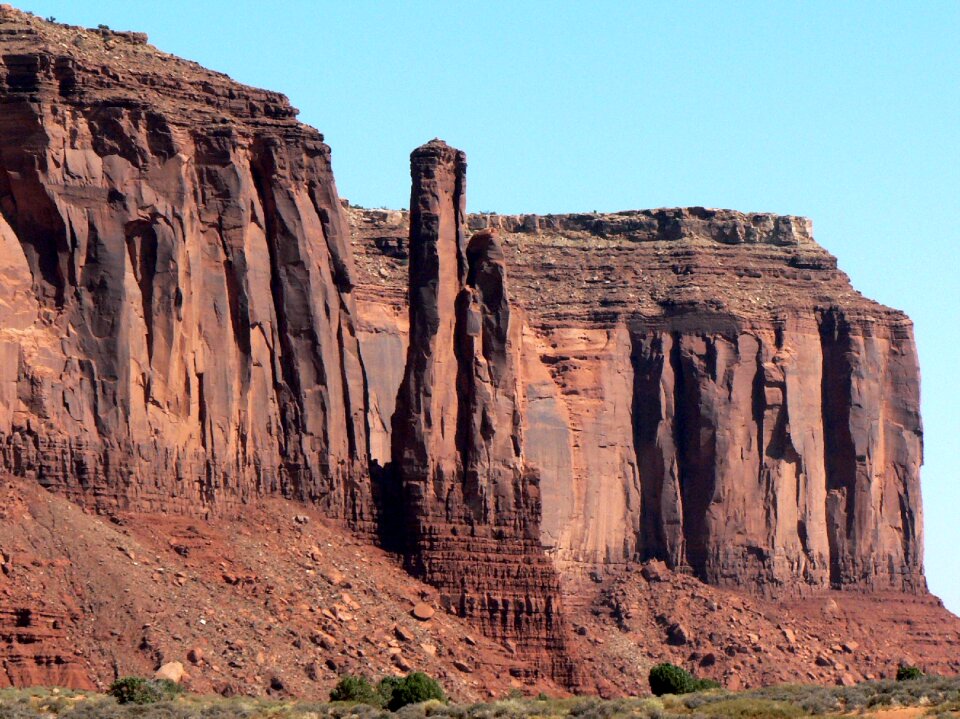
pixel 839 453
pixel 647 414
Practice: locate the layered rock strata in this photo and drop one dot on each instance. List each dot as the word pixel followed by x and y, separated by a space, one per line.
pixel 702 387
pixel 180 332
pixel 472 504
pixel 33 650
pixel 177 326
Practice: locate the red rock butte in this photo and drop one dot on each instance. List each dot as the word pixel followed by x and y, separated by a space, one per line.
pixel 525 409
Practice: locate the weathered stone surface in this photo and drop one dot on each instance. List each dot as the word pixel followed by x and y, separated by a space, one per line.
pixel 697 389
pixel 472 505
pixel 702 387
pixel 180 329
pixel 423 611
pixel 171 671
pixel 34 649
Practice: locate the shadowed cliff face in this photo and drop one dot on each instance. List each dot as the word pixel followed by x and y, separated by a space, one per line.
pixel 472 505
pixel 181 331
pixel 746 447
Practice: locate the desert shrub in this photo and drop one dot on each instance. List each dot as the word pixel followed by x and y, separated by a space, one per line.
pixel 332 711
pixel 584 706
pixel 670 679
pixel 926 690
pixel 385 689
pixel 54 704
pixel 907 673
pixel 812 698
pixel 137 690
pixel 410 711
pixel 414 688
pixel 511 708
pixel 696 700
pixel 599 709
pixel 448 711
pixel 704 685
pixel 623 708
pixel 109 709
pixel 16 709
pixel 750 708
pixel 356 689
pixel 434 708
pixel 949 710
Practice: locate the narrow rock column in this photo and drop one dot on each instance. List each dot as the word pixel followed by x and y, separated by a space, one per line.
pixel 471 508
pixel 425 422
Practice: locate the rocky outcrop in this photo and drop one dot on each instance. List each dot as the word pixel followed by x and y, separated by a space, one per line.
pixel 180 331
pixel 183 329
pixel 472 504
pixel 32 650
pixel 702 387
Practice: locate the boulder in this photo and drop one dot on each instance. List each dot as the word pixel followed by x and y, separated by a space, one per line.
pixel 171 671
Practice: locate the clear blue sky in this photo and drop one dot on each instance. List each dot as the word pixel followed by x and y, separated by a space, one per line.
pixel 846 112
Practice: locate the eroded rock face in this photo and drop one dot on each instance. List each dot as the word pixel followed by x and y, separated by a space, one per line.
pixel 180 331
pixel 702 387
pixel 472 505
pixel 32 651
pixel 745 444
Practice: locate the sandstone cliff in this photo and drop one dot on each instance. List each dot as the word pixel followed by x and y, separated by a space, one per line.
pixel 699 386
pixel 184 329
pixel 177 327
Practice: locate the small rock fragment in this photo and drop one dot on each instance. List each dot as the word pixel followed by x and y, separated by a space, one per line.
pixel 423 611
pixel 677 635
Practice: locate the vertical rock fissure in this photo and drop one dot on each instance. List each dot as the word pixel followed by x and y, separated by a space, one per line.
pixel 839 453
pixel 646 414
pixel 235 272
pixel 31 210
pixel 287 390
pixel 684 423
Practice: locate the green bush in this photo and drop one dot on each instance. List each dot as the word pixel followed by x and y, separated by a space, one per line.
pixel 137 690
pixel 671 679
pixel 385 689
pixel 414 688
pixel 905 673
pixel 355 689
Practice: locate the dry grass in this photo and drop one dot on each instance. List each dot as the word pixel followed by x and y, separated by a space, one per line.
pixel 927 697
